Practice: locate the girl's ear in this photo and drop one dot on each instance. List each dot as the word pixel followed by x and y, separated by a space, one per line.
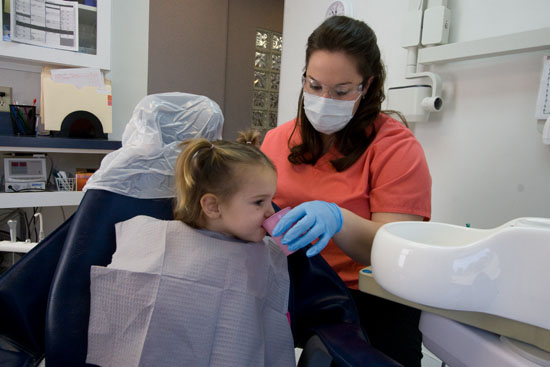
pixel 210 206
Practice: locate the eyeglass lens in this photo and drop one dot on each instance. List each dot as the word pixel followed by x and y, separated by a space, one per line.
pixel 340 92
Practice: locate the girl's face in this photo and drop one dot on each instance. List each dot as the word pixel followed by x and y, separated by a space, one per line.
pixel 242 214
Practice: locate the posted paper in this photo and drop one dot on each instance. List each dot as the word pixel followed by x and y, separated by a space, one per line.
pixel 48 23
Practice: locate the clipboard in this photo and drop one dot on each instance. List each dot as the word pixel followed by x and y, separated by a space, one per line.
pixel 58 100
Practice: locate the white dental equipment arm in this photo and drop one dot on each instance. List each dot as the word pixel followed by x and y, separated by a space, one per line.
pixel 433 103
pixel 41 233
pixel 12 223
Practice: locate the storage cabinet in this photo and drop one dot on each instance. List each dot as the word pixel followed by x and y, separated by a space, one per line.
pixel 13 52
pixel 30 58
pixel 63 154
pixel 20 66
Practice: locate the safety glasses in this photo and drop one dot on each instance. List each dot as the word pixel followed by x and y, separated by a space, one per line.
pixel 341 92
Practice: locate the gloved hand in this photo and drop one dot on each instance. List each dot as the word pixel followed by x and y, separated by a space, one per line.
pixel 312 220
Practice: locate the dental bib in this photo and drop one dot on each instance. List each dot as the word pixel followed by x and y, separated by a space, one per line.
pixel 502 271
pixel 175 296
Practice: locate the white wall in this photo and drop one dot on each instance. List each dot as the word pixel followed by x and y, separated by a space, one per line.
pixel 129 59
pixel 484 151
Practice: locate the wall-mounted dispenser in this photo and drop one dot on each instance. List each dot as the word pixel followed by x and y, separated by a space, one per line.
pixel 435 24
pixel 415 102
pixel 418 100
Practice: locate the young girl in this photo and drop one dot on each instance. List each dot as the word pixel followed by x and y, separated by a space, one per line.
pixel 225 187
pixel 207 289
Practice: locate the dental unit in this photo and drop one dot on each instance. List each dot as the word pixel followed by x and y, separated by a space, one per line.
pixel 501 271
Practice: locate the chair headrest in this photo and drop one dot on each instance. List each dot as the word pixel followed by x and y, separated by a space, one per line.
pixel 143 167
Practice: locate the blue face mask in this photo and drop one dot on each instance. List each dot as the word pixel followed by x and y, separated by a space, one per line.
pixel 328 115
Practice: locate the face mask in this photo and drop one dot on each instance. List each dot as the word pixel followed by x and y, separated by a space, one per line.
pixel 328 115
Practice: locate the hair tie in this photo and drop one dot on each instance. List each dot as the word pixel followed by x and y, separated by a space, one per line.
pixel 212 146
pixel 248 142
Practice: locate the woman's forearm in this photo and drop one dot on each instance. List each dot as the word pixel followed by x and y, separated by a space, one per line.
pixel 357 234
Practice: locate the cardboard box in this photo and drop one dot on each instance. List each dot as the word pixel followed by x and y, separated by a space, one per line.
pixel 82 175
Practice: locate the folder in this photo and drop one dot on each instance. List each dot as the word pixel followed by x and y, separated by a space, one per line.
pixel 59 99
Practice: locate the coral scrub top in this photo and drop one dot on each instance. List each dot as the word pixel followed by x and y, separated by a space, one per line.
pixel 391 176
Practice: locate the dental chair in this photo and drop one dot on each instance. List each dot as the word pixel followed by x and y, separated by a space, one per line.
pixel 497 277
pixel 45 297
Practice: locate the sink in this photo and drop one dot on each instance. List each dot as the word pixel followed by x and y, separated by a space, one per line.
pixel 502 271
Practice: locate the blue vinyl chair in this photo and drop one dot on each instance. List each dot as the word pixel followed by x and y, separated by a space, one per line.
pixel 45 297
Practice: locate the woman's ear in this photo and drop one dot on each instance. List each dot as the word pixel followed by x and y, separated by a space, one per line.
pixel 210 206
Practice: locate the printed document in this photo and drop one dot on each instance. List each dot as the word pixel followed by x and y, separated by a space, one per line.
pixel 48 23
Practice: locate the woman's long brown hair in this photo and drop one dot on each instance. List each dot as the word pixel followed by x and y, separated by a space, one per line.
pixel 356 39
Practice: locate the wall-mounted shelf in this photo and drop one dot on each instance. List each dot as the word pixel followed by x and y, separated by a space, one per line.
pixel 39 199
pixel 22 247
pixel 28 53
pixel 30 144
pixel 47 144
pixel 528 41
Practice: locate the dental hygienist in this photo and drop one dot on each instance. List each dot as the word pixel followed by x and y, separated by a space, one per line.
pixel 347 168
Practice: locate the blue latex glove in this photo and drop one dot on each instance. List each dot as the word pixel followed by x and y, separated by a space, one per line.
pixel 312 220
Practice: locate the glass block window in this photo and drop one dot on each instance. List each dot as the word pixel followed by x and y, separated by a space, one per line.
pixel 267 66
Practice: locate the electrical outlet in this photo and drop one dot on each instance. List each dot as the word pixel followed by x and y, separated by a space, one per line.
pixel 5 99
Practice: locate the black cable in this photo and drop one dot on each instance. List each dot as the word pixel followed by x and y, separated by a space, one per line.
pixel 28 222
pixel 20 216
pixel 51 171
pixel 8 233
pixel 10 213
